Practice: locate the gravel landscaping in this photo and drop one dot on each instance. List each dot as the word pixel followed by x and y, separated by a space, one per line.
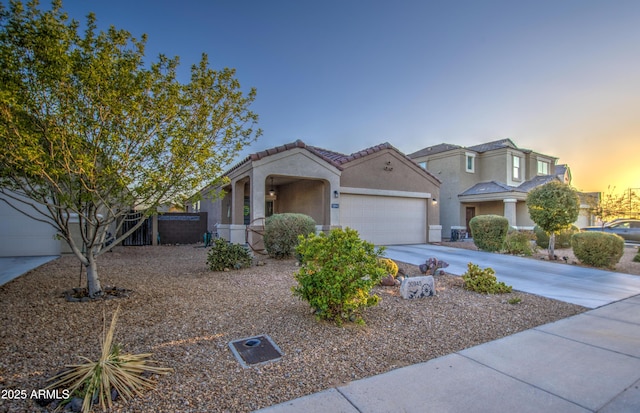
pixel 186 316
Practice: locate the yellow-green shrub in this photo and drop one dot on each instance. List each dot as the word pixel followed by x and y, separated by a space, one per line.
pixel 337 274
pixel 483 281
pixel 389 266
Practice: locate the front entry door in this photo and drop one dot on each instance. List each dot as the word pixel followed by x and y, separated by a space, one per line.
pixel 471 212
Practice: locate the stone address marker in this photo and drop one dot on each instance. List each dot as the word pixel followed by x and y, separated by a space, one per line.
pixel 418 287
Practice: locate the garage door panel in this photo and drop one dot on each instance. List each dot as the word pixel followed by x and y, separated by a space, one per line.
pixel 24 236
pixel 385 220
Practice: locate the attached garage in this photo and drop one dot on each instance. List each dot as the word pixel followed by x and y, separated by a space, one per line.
pixel 385 220
pixel 23 236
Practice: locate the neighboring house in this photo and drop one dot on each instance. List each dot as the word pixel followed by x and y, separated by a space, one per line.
pixel 378 191
pixel 490 178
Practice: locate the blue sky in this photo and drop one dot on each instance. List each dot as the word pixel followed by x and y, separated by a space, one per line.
pixel 560 77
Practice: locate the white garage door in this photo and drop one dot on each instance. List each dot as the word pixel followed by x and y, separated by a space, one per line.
pixel 385 220
pixel 22 236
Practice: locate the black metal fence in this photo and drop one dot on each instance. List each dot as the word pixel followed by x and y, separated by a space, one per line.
pixel 141 236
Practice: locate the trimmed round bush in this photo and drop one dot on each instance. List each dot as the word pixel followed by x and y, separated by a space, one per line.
pixel 489 231
pixel 281 233
pixel 598 249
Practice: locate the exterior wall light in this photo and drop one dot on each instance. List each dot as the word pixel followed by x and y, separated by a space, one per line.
pixel 434 201
pixel 272 191
pixel 336 194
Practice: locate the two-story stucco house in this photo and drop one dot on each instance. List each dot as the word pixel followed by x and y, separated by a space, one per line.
pixel 490 178
pixel 378 191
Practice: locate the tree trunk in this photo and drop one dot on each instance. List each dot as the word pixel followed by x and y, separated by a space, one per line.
pixel 93 283
pixel 552 244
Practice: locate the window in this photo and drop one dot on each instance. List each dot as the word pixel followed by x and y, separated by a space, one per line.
pixel 423 164
pixel 470 162
pixel 543 168
pixel 516 167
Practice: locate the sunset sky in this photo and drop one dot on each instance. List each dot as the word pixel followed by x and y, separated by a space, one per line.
pixel 560 77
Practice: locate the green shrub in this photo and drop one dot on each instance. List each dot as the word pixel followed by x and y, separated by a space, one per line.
pixel 281 233
pixel 224 255
pixel 542 238
pixel 489 231
pixel 519 243
pixel 337 274
pixel 637 257
pixel 483 281
pixel 563 238
pixel 598 249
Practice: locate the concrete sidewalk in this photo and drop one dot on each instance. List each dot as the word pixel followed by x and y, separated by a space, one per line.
pixel 586 363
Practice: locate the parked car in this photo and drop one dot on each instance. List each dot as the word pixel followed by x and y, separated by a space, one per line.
pixel 629 229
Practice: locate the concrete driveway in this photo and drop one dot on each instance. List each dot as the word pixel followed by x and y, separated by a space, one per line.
pixel 13 267
pixel 587 287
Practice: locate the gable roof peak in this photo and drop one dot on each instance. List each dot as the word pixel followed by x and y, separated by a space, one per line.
pixel 493 145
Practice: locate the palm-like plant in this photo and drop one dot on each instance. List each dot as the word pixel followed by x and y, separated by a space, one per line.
pixel 122 372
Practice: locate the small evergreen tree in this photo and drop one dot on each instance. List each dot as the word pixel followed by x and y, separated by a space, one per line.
pixel 553 206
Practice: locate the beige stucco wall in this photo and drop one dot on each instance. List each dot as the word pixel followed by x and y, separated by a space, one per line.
pixel 303 197
pixel 296 163
pixel 492 166
pixel 388 170
pixel 450 168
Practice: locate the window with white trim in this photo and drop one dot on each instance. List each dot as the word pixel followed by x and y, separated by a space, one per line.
pixel 543 167
pixel 516 167
pixel 470 162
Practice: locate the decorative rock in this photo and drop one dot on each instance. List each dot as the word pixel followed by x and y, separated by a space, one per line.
pixel 75 405
pixel 388 281
pixel 418 287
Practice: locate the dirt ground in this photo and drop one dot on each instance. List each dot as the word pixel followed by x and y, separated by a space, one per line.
pixel 186 315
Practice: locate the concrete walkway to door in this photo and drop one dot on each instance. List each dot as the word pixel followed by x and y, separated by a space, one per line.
pixel 588 287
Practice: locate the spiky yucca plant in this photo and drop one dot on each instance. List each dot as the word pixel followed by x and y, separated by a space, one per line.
pixel 122 372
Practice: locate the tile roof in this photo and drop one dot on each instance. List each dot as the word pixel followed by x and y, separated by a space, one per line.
pixel 431 150
pixel 490 187
pixel 535 182
pixel 334 158
pixel 493 187
pixel 483 147
pixel 499 144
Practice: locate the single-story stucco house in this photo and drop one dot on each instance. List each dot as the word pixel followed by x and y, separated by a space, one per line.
pixel 379 191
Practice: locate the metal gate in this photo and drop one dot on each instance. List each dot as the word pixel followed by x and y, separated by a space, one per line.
pixel 141 236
